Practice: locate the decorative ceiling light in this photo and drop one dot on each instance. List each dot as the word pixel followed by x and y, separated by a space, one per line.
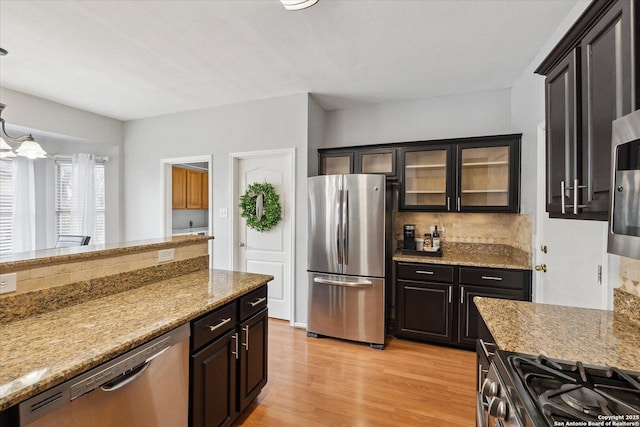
pixel 297 4
pixel 28 148
pixel 5 150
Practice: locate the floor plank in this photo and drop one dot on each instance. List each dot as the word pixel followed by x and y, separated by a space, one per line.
pixel 329 382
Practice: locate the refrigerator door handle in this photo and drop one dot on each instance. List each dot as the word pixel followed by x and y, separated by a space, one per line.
pixel 359 284
pixel 339 231
pixel 345 220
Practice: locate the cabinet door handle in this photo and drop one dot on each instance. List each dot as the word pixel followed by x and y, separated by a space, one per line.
pixel 458 203
pixel 257 302
pixel 492 278
pixel 246 337
pixel 448 203
pixel 461 294
pixel 424 272
pixel 219 325
pixel 450 297
pixel 562 197
pixel 235 339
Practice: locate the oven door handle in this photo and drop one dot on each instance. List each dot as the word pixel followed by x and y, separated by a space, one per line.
pixel 481 411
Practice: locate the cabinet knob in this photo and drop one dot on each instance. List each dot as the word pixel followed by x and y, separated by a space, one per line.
pixel 541 267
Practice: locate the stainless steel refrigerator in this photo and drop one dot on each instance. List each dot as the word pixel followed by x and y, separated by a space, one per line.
pixel 347 257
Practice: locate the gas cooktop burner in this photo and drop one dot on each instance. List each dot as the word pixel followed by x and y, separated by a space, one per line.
pixel 572 392
pixel 583 399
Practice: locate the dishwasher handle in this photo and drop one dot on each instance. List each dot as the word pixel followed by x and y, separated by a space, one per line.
pixel 131 375
pixel 126 378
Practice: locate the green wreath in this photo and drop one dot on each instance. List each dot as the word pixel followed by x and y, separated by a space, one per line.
pixel 260 206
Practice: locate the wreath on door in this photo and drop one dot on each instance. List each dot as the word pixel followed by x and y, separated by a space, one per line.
pixel 260 206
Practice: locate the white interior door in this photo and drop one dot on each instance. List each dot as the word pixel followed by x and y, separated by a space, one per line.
pixel 575 257
pixel 269 252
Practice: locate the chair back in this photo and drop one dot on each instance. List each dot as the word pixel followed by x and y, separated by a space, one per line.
pixel 66 240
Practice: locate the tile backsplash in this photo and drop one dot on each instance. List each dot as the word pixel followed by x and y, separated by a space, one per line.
pixel 486 228
pixel 630 275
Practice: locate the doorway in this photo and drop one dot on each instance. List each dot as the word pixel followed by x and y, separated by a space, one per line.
pixel 269 252
pixel 193 219
pixel 573 251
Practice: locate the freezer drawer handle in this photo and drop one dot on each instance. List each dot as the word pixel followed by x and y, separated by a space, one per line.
pixel 492 278
pixel 424 272
pixel 363 284
pixel 219 325
pixel 257 302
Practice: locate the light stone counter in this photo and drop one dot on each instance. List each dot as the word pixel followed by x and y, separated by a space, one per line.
pixel 595 337
pixel 476 255
pixel 42 351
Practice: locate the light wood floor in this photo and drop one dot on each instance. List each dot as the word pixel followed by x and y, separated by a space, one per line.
pixel 329 382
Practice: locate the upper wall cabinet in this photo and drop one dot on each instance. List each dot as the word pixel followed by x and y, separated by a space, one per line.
pixel 461 175
pixel 589 83
pixel 190 188
pixel 361 160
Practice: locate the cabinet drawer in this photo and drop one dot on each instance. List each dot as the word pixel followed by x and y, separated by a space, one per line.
pixel 425 272
pixel 213 325
pixel 513 279
pixel 253 302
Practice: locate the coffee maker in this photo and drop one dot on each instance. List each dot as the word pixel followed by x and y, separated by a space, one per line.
pixel 409 237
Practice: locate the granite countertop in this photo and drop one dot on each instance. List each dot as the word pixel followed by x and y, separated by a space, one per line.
pixel 41 258
pixel 595 337
pixel 476 255
pixel 42 351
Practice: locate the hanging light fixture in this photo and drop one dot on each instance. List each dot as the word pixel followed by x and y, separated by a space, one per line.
pixel 297 4
pixel 28 146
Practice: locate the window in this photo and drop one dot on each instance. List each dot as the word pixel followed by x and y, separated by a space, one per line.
pixel 64 177
pixel 6 205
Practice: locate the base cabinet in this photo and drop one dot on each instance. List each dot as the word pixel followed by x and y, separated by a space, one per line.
pixel 435 302
pixel 229 360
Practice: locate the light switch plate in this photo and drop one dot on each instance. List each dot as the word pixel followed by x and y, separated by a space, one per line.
pixel 165 255
pixel 8 283
pixel 223 213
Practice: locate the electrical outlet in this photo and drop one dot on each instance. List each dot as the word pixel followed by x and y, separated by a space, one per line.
pixel 165 255
pixel 8 283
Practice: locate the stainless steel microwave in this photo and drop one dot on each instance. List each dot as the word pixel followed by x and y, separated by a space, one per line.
pixel 624 216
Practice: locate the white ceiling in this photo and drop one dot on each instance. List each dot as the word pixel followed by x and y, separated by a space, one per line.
pixel 135 59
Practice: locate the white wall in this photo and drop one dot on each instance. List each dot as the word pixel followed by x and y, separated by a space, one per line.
pixel 471 114
pixel 65 130
pixel 251 126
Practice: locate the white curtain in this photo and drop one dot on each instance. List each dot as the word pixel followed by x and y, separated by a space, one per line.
pixel 83 190
pixel 23 220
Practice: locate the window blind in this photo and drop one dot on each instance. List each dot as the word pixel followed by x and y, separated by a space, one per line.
pixel 64 177
pixel 6 205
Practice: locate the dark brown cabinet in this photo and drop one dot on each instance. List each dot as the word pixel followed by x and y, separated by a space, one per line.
pixel 229 360
pixel 435 302
pixel 589 83
pixel 358 160
pixel 479 174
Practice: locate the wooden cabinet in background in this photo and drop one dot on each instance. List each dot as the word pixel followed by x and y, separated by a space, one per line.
pixel 589 83
pixel 190 188
pixel 179 188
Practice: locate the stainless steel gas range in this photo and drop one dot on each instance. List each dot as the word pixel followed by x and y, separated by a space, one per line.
pixel 535 391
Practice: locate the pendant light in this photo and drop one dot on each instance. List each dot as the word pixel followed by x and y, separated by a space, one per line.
pixel 28 146
pixel 297 4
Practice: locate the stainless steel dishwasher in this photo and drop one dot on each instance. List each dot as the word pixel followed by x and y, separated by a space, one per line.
pixel 147 386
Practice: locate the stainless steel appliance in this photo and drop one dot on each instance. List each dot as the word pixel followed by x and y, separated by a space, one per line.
pixel 147 386
pixel 347 257
pixel 624 218
pixel 534 391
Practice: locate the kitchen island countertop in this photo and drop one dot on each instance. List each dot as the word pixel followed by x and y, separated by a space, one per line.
pixel 595 337
pixel 42 351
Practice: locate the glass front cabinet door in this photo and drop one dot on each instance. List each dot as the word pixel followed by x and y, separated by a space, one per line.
pixel 487 177
pixel 336 163
pixel 426 178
